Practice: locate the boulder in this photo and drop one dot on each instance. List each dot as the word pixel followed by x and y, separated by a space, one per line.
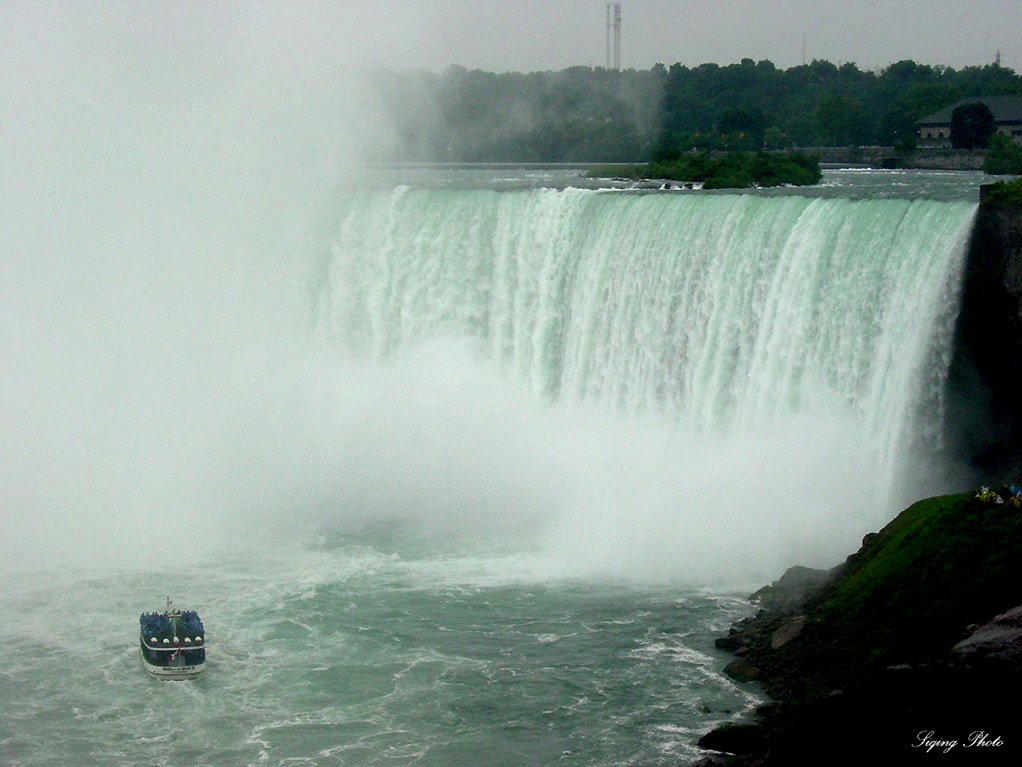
pixel 742 670
pixel 789 630
pixel 790 591
pixel 731 643
pixel 997 642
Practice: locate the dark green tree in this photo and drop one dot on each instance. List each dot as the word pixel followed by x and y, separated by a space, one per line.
pixel 841 121
pixel 748 122
pixel 972 125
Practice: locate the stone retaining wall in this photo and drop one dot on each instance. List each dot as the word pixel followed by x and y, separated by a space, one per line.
pixel 888 157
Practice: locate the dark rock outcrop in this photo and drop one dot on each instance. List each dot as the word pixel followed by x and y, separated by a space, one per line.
pixel 734 739
pixel 913 639
pixel 984 413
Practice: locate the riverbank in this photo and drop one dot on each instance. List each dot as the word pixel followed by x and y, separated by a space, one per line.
pixel 912 645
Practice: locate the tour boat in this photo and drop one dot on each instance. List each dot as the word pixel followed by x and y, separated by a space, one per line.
pixel 172 644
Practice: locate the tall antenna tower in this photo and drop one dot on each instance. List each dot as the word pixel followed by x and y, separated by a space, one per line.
pixel 614 35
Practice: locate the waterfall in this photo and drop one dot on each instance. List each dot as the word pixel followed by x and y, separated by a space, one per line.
pixel 719 311
pixel 800 344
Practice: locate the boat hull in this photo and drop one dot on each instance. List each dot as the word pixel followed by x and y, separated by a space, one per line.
pixel 171 673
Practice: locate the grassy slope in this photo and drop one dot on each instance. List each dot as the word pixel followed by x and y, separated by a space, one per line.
pixel 942 564
pixel 909 593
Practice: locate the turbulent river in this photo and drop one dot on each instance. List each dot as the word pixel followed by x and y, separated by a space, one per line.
pixel 533 447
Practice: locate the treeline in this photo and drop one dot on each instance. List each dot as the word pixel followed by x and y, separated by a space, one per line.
pixel 584 114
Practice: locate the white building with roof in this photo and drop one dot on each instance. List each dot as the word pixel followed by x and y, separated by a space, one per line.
pixel 935 129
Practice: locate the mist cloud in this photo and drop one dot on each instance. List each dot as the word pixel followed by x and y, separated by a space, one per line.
pixel 167 173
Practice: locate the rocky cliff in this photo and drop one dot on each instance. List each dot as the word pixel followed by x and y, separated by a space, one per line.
pixel 915 640
pixel 985 380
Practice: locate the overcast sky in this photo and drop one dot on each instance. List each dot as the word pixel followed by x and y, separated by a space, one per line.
pixel 533 35
pixel 527 35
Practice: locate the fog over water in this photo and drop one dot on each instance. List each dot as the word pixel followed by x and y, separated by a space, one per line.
pixel 166 175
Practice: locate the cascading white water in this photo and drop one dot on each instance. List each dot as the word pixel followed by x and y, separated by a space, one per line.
pixel 722 312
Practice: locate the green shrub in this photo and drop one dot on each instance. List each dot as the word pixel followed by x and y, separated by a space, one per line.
pixel 1004 157
pixel 1003 193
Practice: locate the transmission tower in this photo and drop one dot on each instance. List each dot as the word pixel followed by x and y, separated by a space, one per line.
pixel 614 35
